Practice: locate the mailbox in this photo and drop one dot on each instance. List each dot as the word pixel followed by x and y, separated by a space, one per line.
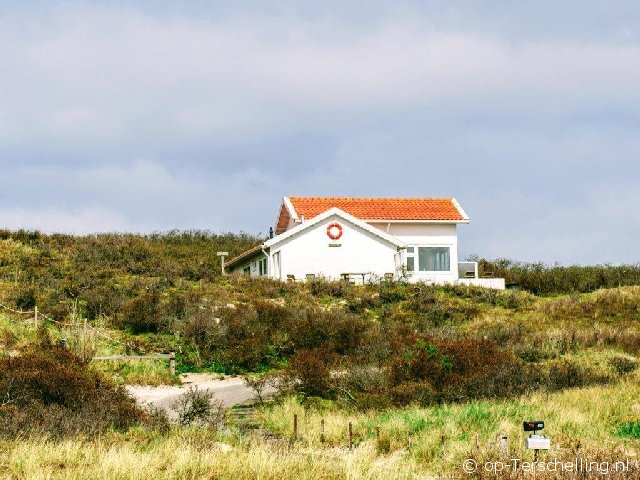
pixel 533 426
pixel 538 442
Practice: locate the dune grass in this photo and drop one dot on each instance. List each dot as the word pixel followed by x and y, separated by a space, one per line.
pixel 442 436
pixel 190 454
pixel 136 372
pixel 595 419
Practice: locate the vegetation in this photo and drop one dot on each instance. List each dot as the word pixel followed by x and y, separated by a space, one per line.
pixel 46 389
pixel 542 279
pixel 429 368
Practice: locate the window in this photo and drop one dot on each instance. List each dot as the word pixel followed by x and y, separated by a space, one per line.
pixel 411 259
pixel 430 259
pixel 247 270
pixel 262 267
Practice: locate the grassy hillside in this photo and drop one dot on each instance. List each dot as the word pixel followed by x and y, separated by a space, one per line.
pixel 446 368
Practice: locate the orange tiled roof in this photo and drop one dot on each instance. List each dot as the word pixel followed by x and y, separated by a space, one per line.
pixel 380 208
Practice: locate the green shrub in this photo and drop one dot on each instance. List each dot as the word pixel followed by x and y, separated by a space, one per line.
pixel 630 429
pixel 199 407
pixel 541 279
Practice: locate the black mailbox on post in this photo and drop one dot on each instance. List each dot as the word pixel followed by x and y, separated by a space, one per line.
pixel 533 426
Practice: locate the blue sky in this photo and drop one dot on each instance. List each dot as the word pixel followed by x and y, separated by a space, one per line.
pixel 153 115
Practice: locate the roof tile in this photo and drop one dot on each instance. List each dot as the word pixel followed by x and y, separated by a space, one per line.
pixel 380 208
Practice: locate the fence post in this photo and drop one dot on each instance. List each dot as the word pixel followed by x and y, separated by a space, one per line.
pixel 409 440
pixel 172 363
pixel 350 436
pixel 295 426
pixel 322 430
pixel 84 341
pixel 504 444
pixel 35 318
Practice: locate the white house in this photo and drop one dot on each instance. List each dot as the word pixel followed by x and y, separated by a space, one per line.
pixel 363 239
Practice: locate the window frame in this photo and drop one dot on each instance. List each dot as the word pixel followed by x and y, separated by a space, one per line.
pixel 415 255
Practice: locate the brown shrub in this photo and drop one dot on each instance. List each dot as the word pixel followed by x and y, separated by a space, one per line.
pixel 569 374
pixel 47 389
pixel 456 370
pixel 622 365
pixel 309 371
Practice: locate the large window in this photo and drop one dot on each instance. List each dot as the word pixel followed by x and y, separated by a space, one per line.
pixel 428 259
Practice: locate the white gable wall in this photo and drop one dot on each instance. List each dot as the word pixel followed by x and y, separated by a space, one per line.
pixel 359 251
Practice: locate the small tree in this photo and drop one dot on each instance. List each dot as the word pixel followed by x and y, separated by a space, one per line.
pixel 198 407
pixel 259 384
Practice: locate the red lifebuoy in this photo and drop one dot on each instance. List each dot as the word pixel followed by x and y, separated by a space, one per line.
pixel 334 231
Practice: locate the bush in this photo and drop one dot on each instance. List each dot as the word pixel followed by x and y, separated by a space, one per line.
pixel 321 287
pixel 143 314
pixel 413 392
pixel 309 371
pixel 47 389
pixel 25 298
pixel 630 429
pixel 569 374
pixel 428 369
pixel 541 279
pixel 622 365
pixel 199 407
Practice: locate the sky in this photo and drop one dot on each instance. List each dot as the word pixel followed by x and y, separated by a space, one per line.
pixel 156 115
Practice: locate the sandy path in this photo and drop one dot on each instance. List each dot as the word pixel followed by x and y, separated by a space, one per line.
pixel 230 390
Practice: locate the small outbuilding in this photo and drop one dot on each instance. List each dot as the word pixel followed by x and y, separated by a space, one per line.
pixel 364 239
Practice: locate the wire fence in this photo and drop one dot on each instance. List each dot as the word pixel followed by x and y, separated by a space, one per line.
pixel 39 315
pixel 84 330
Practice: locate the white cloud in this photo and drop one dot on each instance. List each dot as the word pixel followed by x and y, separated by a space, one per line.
pixel 53 220
pixel 120 74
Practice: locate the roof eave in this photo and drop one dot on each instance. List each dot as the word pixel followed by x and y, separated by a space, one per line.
pixel 387 220
pixel 463 214
pixel 319 218
pixel 245 255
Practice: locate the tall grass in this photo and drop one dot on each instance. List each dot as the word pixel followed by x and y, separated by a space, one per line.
pixel 589 422
pixel 188 454
pixel 591 417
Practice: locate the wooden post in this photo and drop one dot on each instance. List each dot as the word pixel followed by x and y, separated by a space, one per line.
pixel 442 441
pixel 322 430
pixel 295 426
pixel 222 255
pixel 477 441
pixel 504 445
pixel 378 434
pixel 84 341
pixel 409 440
pixel 172 363
pixel 35 318
pixel 350 436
